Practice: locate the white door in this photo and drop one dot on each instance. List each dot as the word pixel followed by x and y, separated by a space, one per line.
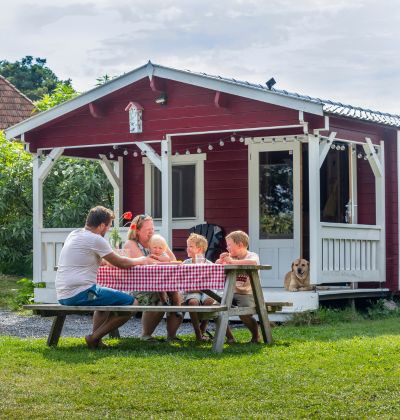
pixel 274 207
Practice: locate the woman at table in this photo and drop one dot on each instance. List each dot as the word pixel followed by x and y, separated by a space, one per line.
pixel 137 245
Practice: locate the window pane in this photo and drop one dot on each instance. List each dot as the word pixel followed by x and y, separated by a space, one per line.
pixel 335 194
pixel 183 191
pixel 276 195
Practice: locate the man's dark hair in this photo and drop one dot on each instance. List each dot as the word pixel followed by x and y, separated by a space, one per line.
pixel 98 215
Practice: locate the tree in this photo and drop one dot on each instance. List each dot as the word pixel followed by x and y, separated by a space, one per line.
pixel 71 189
pixel 31 76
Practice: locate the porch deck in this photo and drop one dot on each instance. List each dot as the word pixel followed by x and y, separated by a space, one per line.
pixel 307 301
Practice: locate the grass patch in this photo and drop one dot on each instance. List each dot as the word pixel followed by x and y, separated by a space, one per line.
pixel 8 291
pixel 342 370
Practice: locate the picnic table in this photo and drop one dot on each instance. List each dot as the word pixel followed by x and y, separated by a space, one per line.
pixel 169 277
pixel 204 277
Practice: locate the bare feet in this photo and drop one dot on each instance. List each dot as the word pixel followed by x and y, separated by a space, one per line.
pixel 91 342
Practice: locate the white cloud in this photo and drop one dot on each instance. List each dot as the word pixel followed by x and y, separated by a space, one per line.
pixel 341 50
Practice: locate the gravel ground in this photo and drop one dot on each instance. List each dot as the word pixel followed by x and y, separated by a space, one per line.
pixel 25 326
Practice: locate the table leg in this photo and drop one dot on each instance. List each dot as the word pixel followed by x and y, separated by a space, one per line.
pixel 260 307
pixel 223 317
pixel 56 328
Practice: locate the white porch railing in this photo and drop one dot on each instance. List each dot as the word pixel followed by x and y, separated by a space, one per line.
pixel 351 253
pixel 52 241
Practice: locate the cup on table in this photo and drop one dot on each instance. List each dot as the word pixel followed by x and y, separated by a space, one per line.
pixel 199 259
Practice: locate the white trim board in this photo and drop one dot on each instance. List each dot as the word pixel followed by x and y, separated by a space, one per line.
pixel 192 159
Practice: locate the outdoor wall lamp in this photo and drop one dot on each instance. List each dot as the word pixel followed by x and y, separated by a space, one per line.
pixel 162 99
pixel 270 83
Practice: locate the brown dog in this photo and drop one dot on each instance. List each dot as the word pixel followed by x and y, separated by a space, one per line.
pixel 298 278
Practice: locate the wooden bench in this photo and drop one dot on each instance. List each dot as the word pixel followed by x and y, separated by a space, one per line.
pixel 60 312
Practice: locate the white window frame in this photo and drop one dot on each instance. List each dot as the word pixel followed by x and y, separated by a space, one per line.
pixel 187 222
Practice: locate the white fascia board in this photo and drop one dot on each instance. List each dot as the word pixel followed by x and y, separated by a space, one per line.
pixel 81 100
pixel 232 88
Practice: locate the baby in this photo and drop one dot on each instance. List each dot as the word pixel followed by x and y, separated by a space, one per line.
pixel 158 250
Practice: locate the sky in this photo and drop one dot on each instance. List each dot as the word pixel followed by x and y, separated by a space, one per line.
pixel 343 50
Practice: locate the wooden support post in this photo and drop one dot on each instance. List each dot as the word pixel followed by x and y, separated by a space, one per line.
pixel 56 329
pixel 223 317
pixel 260 307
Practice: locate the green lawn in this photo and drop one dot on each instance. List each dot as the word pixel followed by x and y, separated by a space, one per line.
pixel 344 370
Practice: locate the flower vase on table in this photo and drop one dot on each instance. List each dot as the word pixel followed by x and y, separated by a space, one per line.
pixel 115 237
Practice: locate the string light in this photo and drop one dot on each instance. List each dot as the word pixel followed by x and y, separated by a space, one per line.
pixel 111 155
pixel 333 147
pixel 342 147
pixel 176 153
pixel 359 156
pixel 115 147
pixel 241 139
pixel 135 154
pixel 210 147
pixel 125 152
pixel 233 139
pixel 338 147
pixel 198 150
pixel 187 152
pixel 221 143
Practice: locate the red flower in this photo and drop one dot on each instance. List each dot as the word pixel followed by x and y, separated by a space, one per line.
pixel 127 215
pixel 133 226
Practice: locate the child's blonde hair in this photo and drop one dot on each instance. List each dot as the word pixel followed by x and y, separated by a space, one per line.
pixel 239 237
pixel 156 238
pixel 136 225
pixel 198 241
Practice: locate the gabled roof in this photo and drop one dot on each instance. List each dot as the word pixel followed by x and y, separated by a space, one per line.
pixel 14 105
pixel 231 86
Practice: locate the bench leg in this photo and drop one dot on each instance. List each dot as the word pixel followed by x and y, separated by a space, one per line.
pixel 56 328
pixel 114 333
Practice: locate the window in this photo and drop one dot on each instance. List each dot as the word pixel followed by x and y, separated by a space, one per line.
pixel 187 190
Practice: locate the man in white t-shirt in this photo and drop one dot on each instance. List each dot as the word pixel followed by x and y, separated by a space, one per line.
pixel 77 271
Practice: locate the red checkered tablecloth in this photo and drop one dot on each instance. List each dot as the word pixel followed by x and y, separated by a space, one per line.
pixel 168 278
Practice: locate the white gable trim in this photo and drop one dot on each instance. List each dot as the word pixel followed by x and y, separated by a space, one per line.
pixel 151 70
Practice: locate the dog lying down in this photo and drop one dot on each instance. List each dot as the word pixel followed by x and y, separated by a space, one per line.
pixel 299 278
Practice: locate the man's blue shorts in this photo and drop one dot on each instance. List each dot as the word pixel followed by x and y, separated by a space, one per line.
pixel 98 296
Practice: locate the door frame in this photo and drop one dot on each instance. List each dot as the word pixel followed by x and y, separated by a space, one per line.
pixel 266 144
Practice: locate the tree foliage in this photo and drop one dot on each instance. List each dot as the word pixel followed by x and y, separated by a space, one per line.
pixel 62 93
pixel 31 76
pixel 71 189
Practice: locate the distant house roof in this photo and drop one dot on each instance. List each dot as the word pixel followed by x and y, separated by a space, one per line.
pixel 14 105
pixel 231 86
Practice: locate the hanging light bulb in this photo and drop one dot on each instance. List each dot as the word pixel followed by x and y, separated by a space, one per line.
pixel 210 147
pixel 135 154
pixel 111 155
pixel 333 147
pixel 187 152
pixel 365 157
pixel 342 147
pixel 221 143
pixel 359 156
pixel 176 153
pixel 337 147
pixel 241 139
pixel 198 150
pixel 125 152
pixel 115 147
pixel 233 139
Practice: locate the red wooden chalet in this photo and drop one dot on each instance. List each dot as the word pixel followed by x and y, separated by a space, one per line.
pixel 304 176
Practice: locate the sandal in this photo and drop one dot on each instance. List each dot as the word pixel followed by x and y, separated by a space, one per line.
pixel 148 338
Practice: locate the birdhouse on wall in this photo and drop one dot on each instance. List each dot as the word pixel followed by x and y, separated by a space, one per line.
pixel 135 117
